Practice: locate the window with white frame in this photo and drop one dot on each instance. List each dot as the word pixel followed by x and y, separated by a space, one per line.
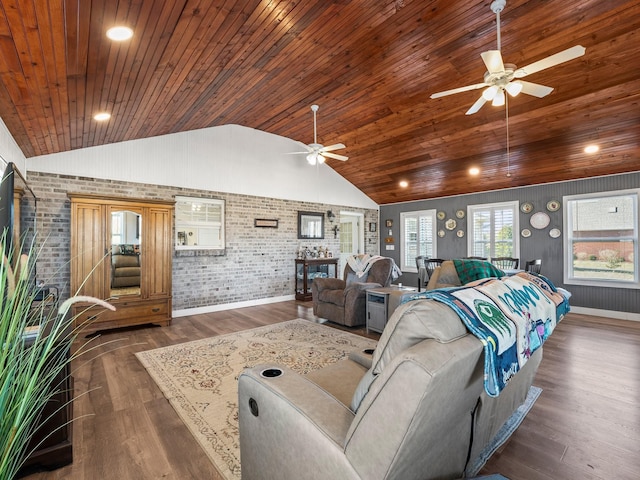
pixel 417 232
pixel 601 239
pixel 493 230
pixel 199 223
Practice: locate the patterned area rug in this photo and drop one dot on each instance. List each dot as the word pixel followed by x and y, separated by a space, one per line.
pixel 200 378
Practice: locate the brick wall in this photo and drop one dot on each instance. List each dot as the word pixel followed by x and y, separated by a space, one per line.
pixel 258 262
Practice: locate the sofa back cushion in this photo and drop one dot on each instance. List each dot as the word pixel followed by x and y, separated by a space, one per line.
pixel 410 324
pixel 443 276
pixel 379 272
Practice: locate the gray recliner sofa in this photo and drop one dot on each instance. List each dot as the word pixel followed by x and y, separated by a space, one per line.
pixel 415 409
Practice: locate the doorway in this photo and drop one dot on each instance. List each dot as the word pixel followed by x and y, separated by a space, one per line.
pixel 351 236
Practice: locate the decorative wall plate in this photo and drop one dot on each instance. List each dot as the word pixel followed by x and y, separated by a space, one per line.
pixel 555 233
pixel 460 213
pixel 460 233
pixel 441 233
pixel 441 215
pixel 450 224
pixel 526 233
pixel 553 205
pixel 539 220
pixel 526 207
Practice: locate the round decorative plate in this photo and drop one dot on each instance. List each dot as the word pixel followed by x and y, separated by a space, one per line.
pixel 539 220
pixel 450 224
pixel 553 205
pixel 441 215
pixel 460 233
pixel 526 207
pixel 441 233
pixel 460 214
pixel 526 233
pixel 554 233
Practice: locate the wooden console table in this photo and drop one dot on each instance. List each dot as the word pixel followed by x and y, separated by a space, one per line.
pixel 309 268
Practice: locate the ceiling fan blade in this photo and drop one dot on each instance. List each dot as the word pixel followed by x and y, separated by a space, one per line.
pixel 335 155
pixel 535 89
pixel 305 146
pixel 333 147
pixel 459 90
pixel 476 106
pixel 551 61
pixel 493 60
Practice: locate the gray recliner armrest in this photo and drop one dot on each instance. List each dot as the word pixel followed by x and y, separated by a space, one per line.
pixel 328 284
pixel 290 428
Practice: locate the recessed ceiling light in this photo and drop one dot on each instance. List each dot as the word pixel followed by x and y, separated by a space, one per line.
pixel 474 171
pixel 591 149
pixel 120 33
pixel 404 183
pixel 102 116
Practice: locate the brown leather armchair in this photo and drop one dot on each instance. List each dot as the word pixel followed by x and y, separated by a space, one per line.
pixel 344 301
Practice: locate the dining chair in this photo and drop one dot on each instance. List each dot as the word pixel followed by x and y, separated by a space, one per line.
pixel 423 275
pixel 533 266
pixel 506 263
pixel 475 258
pixel 425 267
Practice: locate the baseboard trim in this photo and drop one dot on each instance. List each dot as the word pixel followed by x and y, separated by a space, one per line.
pixel 606 313
pixel 265 301
pixel 230 306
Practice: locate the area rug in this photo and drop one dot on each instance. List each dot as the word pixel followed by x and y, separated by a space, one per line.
pixel 504 433
pixel 200 378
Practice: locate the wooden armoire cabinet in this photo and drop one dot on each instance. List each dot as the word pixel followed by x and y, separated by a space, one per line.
pixel 121 251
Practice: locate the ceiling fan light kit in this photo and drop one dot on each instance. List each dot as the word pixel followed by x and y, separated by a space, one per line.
pixel 316 152
pixel 501 77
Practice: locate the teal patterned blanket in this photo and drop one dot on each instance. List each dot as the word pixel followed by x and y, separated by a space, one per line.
pixel 512 316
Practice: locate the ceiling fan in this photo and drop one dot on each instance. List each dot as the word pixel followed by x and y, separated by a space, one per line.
pixel 506 76
pixel 316 152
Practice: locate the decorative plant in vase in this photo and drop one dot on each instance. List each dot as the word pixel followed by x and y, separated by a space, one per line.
pixel 35 347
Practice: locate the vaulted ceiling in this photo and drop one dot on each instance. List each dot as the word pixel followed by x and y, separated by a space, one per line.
pixel 370 65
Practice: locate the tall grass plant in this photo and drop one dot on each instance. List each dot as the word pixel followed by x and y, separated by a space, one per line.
pixel 36 347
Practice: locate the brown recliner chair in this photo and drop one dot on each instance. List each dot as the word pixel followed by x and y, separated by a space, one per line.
pixel 345 301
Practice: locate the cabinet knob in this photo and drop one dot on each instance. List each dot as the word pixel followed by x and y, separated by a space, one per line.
pixel 155 310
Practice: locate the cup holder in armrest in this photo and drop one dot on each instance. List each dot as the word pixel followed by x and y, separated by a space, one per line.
pixel 271 373
pixel 369 351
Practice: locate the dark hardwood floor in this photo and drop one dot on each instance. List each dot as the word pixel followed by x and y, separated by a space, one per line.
pixel 585 425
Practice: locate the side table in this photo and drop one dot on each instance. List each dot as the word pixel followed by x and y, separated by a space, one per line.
pixel 382 302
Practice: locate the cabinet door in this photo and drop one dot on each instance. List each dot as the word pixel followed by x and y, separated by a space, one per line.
pixel 157 249
pixel 88 274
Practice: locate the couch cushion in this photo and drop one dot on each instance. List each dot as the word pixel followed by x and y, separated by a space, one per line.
pixel 410 324
pixel 445 275
pixel 336 297
pixel 352 277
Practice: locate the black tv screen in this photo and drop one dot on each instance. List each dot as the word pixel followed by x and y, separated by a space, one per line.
pixel 6 208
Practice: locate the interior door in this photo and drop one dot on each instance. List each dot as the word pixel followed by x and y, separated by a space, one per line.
pixel 350 237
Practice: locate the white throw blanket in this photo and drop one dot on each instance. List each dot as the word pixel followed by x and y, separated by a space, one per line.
pixel 361 264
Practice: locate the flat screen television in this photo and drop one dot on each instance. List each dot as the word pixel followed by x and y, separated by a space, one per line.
pixel 6 208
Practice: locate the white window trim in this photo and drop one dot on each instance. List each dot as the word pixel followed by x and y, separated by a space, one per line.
pixel 417 213
pixel 516 223
pixel 567 251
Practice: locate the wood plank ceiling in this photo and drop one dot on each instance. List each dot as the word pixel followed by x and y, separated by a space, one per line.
pixel 370 65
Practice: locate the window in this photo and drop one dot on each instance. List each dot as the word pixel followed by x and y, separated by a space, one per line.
pixel 491 230
pixel 601 239
pixel 199 223
pixel 416 237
